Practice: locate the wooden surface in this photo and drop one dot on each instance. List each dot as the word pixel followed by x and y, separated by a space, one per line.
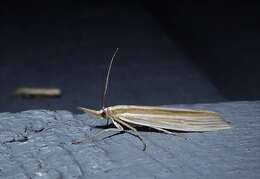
pixel 37 144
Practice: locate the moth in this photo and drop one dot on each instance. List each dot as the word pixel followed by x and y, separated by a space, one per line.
pixel 163 119
pixel 29 92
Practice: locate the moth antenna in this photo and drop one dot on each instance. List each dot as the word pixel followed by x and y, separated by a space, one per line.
pixel 107 78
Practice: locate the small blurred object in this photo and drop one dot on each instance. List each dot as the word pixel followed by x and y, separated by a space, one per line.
pixel 31 92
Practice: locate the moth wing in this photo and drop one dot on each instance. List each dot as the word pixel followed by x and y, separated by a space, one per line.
pixel 171 118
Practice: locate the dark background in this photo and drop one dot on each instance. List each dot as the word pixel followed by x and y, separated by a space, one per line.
pixel 170 52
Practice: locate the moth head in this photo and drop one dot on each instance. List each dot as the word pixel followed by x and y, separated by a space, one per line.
pixel 103 112
pixel 100 113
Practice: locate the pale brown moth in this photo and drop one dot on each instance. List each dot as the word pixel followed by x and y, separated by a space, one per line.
pixel 162 119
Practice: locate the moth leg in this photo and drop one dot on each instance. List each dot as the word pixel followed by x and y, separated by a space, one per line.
pixel 134 130
pixel 98 134
pixel 118 126
pixel 121 129
pixel 168 132
pixel 107 130
pixel 163 130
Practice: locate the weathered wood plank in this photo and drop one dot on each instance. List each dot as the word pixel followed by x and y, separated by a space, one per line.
pixel 37 143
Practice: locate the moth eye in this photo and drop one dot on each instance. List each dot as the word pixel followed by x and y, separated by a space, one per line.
pixel 103 114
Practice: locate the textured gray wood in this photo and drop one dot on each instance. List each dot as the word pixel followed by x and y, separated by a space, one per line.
pixel 37 144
